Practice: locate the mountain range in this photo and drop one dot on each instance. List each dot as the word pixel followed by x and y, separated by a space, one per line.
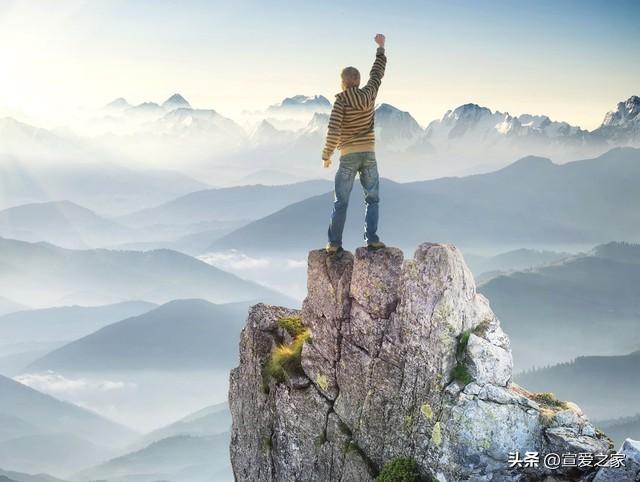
pixel 240 203
pixel 46 275
pixel 180 458
pixel 22 477
pixel 212 420
pixel 466 139
pixel 58 453
pixel 485 267
pixel 181 335
pixel 94 181
pixel 181 223
pixel 194 448
pixel 621 428
pixel 287 137
pixel 301 104
pixel 62 223
pixel 32 413
pixel 532 201
pixel 64 323
pixel 587 304
pixel 603 386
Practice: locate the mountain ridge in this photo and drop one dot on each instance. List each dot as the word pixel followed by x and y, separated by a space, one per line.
pixel 578 200
pixel 176 336
pixel 112 276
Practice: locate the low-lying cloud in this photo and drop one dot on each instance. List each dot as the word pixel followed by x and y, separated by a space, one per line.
pixel 234 260
pixel 56 383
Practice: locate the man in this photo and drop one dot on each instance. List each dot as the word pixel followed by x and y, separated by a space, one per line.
pixel 351 131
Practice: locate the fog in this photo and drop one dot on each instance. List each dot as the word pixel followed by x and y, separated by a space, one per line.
pixel 134 238
pixel 143 401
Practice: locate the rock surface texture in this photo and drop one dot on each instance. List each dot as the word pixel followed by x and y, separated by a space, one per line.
pixel 404 359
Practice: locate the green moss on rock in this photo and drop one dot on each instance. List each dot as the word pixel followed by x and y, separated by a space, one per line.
pixel 293 325
pixel 284 360
pixel 460 372
pixel 400 469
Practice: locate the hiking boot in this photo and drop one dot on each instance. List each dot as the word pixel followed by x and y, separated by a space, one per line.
pixel 332 248
pixel 375 245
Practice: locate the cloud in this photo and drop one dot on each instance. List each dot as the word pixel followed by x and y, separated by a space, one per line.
pixel 55 383
pixel 296 263
pixel 234 260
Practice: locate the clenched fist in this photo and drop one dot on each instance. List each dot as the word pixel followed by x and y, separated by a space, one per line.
pixel 326 163
pixel 379 39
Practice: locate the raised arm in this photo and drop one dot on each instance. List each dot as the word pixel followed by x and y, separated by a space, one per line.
pixel 377 71
pixel 333 133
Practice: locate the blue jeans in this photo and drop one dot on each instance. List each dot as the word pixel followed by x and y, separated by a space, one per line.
pixel 363 163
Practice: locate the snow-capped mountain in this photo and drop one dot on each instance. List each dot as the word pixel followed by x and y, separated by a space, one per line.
pixel 472 122
pixel 145 109
pixel 477 138
pixel 174 124
pixel 266 134
pixel 301 104
pixel 396 129
pixel 118 105
pixel 176 101
pixel 317 124
pixel 625 114
pixel 468 139
pixel 185 121
pixel 622 125
pixel 528 124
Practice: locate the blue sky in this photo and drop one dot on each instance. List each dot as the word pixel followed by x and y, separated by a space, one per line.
pixel 572 60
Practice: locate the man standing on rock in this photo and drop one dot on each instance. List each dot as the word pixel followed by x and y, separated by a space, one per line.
pixel 351 131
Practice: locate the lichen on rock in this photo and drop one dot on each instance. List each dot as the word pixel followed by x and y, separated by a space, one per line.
pixel 377 380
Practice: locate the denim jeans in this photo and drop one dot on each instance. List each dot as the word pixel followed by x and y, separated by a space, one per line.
pixel 363 163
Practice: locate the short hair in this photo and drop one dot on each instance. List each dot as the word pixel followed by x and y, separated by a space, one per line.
pixel 350 77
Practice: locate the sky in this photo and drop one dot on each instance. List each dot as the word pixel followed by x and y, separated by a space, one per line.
pixel 571 60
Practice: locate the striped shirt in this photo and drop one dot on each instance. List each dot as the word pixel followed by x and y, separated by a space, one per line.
pixel 351 121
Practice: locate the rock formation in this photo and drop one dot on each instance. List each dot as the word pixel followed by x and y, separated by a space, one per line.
pixel 391 359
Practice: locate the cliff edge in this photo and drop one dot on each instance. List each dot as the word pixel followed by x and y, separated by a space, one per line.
pixel 392 365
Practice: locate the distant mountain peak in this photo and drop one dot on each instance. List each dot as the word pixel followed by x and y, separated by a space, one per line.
pixel 618 250
pixel 384 107
pixel 176 101
pixel 264 129
pixel 119 103
pixel 318 123
pixel 529 163
pixel 468 111
pixel 304 103
pixel 265 124
pixel 626 112
pixel 306 99
pixel 397 128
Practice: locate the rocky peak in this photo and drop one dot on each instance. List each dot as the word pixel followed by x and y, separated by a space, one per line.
pixel 318 123
pixel 118 104
pixel 625 112
pixel 467 112
pixel 393 124
pixel 302 103
pixel 390 359
pixel 176 101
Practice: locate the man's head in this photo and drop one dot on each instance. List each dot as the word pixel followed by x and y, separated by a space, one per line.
pixel 350 78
